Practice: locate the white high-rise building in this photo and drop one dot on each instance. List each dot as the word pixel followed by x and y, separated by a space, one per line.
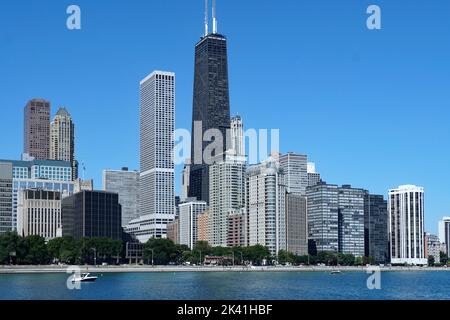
pixel 295 171
pixel 188 221
pixel 157 122
pixel 126 184
pixel 62 139
pixel 226 193
pixel 237 136
pixel 406 225
pixel 265 205
pixel 444 232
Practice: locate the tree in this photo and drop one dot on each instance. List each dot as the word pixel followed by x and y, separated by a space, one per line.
pixel 359 261
pixel 65 250
pixel 431 261
pixel 36 250
pixel 256 254
pixel 8 245
pixel 286 257
pixel 444 258
pixel 162 251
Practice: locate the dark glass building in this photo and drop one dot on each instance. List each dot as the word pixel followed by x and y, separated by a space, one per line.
pixel 92 214
pixel 376 242
pixel 211 108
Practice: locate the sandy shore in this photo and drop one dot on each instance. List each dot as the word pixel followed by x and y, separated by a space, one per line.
pixel 135 268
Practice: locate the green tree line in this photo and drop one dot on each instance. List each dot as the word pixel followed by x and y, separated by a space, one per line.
pixel 33 250
pixel 164 252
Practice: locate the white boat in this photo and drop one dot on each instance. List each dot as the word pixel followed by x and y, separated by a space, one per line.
pixel 336 272
pixel 84 277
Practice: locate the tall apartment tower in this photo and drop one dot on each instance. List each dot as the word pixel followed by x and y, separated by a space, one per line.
pixel 237 136
pixel 296 224
pixel 351 220
pixel 376 232
pixel 126 184
pixel 444 232
pixel 157 122
pixel 6 197
pixel 266 206
pixel 406 225
pixel 295 170
pixel 323 216
pixel 211 105
pixel 336 218
pixel 37 129
pixel 188 221
pixel 227 192
pixel 62 139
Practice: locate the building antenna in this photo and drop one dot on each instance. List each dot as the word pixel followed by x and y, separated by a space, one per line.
pixel 206 18
pixel 214 17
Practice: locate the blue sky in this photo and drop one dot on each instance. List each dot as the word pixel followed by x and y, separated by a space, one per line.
pixel 371 108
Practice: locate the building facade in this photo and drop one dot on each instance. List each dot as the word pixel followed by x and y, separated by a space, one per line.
pixel 236 228
pixel 92 214
pixel 189 213
pixel 313 177
pixel 227 192
pixel 203 226
pixel 351 220
pixel 6 197
pixel 237 136
pixel 265 206
pixel 62 139
pixel 65 188
pixel 148 226
pixel 173 231
pixel 39 213
pixel 295 171
pixel 406 225
pixel 376 228
pixel 37 129
pixel 444 232
pixel 323 216
pixel 432 247
pixel 296 224
pixel 185 174
pixel 53 170
pixel 211 107
pixel 126 184
pixel 157 122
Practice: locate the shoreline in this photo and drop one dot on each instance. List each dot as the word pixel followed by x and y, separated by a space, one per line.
pixel 174 269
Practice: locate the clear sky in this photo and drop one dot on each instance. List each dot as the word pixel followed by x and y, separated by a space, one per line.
pixel 371 108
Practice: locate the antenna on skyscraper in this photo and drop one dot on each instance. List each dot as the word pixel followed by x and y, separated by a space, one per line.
pixel 214 17
pixel 206 18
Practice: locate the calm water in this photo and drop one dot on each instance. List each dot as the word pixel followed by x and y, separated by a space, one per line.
pixel 232 286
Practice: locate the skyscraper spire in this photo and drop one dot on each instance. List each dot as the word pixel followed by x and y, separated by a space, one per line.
pixel 214 17
pixel 206 18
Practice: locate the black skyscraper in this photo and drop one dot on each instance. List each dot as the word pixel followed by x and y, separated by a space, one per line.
pixel 211 105
pixel 92 214
pixel 376 230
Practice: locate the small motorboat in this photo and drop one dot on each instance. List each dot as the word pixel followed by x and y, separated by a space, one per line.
pixel 84 277
pixel 336 272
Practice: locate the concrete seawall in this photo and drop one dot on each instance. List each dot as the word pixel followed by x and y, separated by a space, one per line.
pixel 133 268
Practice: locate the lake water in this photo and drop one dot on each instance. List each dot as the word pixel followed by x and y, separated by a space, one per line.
pixel 433 285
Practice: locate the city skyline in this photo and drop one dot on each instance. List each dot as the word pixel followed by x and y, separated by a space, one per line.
pixel 356 164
